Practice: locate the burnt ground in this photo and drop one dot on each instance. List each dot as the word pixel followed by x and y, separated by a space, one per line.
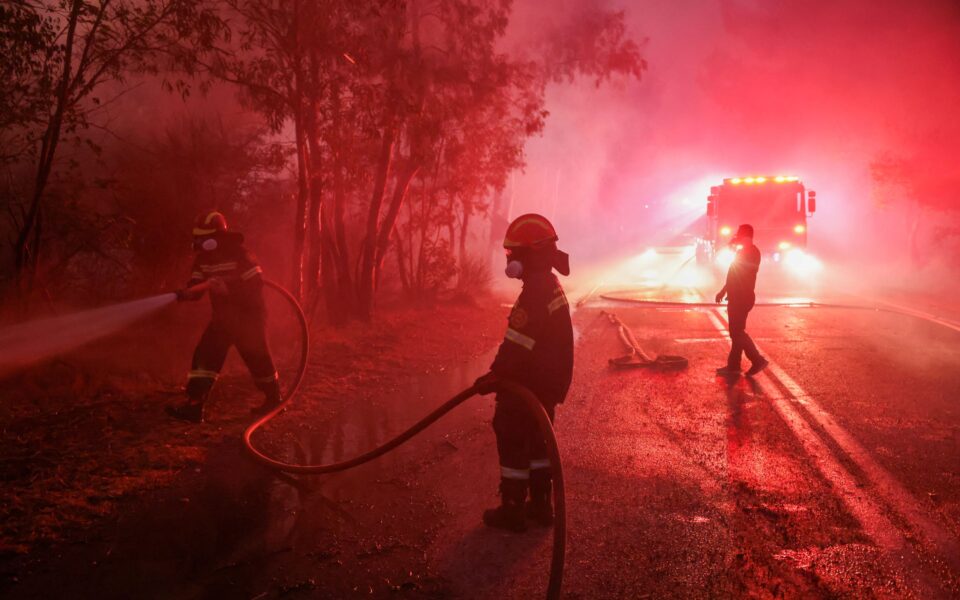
pixel 833 475
pixel 106 496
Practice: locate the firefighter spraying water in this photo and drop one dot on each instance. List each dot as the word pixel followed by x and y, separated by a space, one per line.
pixel 229 272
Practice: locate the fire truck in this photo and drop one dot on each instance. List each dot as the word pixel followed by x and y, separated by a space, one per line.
pixel 777 206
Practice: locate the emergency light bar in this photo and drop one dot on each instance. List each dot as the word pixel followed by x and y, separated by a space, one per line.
pixel 761 179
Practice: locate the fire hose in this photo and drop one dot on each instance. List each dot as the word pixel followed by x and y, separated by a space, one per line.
pixel 810 304
pixel 514 392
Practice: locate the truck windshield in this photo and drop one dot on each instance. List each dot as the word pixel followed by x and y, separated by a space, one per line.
pixel 763 206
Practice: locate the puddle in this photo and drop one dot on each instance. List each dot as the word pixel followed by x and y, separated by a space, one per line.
pixel 365 424
pixel 361 426
pixel 225 521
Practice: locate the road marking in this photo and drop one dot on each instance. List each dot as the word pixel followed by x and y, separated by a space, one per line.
pixel 882 484
pixel 920 314
pixel 870 516
pixel 712 340
pixel 895 495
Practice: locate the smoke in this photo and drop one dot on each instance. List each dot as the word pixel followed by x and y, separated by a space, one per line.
pixel 27 343
pixel 820 90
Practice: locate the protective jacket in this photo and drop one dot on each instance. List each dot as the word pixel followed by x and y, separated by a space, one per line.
pixel 537 351
pixel 742 275
pixel 239 270
pixel 238 319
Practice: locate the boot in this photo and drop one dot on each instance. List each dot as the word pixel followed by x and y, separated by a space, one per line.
pixel 510 514
pixel 271 399
pixel 190 411
pixel 540 505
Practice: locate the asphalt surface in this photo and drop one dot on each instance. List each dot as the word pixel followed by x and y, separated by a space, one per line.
pixel 835 473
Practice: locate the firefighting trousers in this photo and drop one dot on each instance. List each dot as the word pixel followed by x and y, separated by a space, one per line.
pixel 520 444
pixel 251 341
pixel 740 341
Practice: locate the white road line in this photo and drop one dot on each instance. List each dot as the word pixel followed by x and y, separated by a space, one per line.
pixel 882 484
pixel 922 314
pixel 875 524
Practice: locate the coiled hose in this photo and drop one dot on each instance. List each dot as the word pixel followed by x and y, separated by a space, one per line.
pixel 513 390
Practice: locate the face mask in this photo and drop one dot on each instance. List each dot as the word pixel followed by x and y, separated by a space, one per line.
pixel 514 269
pixel 209 244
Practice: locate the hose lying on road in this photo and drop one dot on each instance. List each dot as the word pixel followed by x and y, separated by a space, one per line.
pixel 513 390
pixel 878 308
pixel 636 357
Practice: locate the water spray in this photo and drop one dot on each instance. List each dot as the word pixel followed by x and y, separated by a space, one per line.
pixel 27 343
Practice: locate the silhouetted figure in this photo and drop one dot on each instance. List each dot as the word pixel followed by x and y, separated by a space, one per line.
pixel 239 317
pixel 739 291
pixel 537 352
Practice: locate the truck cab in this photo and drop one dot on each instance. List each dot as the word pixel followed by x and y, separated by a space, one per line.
pixel 777 206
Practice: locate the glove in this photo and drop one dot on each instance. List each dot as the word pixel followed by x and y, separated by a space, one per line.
pixel 188 295
pixel 487 384
pixel 720 296
pixel 218 286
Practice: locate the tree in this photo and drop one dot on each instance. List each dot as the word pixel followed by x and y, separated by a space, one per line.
pixel 76 47
pixel 922 177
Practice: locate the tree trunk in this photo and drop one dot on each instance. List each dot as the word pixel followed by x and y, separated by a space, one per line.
pixel 390 220
pixel 464 229
pixel 402 267
pixel 341 250
pixel 365 292
pixel 314 223
pixel 27 257
pixel 303 198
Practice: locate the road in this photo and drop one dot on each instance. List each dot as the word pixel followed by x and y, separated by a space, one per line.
pixel 836 473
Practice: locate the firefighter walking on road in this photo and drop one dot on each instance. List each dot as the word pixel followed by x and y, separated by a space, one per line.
pixel 740 294
pixel 238 318
pixel 537 352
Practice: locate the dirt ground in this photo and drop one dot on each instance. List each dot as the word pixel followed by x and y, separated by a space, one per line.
pixel 92 466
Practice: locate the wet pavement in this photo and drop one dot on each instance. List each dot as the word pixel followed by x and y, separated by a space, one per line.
pixel 836 473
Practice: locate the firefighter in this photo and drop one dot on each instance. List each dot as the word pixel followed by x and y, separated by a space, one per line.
pixel 238 316
pixel 537 352
pixel 739 291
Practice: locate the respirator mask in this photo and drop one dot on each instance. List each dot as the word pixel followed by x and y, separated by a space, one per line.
pixel 206 244
pixel 541 259
pixel 514 268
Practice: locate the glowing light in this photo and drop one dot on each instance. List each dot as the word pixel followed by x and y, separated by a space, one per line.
pixel 736 181
pixel 725 257
pixel 784 245
pixel 798 229
pixel 779 178
pixel 793 179
pixel 748 180
pixel 801 264
pixel 760 179
pixel 725 231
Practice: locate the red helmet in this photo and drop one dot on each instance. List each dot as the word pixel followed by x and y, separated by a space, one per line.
pixel 209 223
pixel 529 231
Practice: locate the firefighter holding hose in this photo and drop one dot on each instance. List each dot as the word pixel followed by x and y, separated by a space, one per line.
pixel 537 352
pixel 234 279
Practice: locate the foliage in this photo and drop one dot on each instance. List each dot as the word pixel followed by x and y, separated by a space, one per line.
pixel 74 48
pixel 405 117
